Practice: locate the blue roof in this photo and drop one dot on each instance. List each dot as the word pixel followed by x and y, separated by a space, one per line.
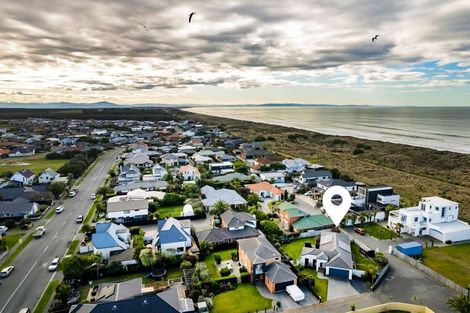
pixel 102 227
pixel 169 236
pixel 103 241
pixel 411 244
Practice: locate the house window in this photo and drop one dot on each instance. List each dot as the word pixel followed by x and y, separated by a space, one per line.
pixel 416 219
pixel 425 219
pixel 443 212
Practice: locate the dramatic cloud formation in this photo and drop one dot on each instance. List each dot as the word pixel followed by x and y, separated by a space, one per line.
pixel 235 51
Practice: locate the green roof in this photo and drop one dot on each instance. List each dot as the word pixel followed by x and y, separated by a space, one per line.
pixel 292 210
pixel 312 222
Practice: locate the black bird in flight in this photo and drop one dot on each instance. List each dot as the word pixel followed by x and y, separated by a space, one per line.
pixel 191 16
pixel 145 27
pixel 375 38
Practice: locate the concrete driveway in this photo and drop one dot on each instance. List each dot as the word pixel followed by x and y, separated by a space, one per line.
pixel 340 288
pixel 286 301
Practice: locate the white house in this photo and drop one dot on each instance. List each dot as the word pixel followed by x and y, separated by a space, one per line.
pixel 24 177
pixel 266 190
pixel 48 176
pixel 295 166
pixel 158 172
pixel 23 151
pixel 189 173
pixel 173 236
pixel 273 177
pixel 221 168
pixel 110 239
pixel 229 196
pixel 129 173
pixel 121 208
pixel 434 216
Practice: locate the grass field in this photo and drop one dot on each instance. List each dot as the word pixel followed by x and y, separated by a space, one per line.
pixel 47 295
pixel 379 232
pixel 246 298
pixel 450 261
pixel 294 248
pixel 36 163
pixel 321 285
pixel 170 211
pixel 210 261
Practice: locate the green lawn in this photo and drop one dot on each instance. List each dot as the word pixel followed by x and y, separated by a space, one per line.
pixel 170 211
pixel 173 273
pixel 210 261
pixel 294 248
pixel 321 285
pixel 12 236
pixel 246 298
pixel 73 247
pixel 36 163
pixel 379 232
pixel 362 263
pixel 46 297
pixel 450 261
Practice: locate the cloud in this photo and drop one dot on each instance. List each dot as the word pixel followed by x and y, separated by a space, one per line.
pixel 99 46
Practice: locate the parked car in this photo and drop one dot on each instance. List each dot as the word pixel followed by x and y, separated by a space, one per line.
pixel 40 230
pixel 54 264
pixel 308 193
pixel 6 271
pixel 93 196
pixel 360 231
pixel 59 209
pixel 74 298
pixel 72 194
pixel 3 229
pixel 79 219
pixel 25 310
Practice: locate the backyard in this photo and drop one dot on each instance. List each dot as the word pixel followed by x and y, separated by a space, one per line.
pixel 294 248
pixel 245 298
pixel 450 261
pixel 210 260
pixel 362 262
pixel 36 163
pixel 321 285
pixel 170 211
pixel 379 232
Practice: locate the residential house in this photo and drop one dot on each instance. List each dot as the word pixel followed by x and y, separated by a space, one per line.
pixel 237 220
pixel 323 185
pixel 201 159
pixel 23 177
pixel 229 196
pixel 173 236
pixel 295 220
pixel 140 160
pixel 273 177
pixel 221 156
pixel 121 208
pixel 295 166
pixel 221 168
pixel 19 207
pixel 333 256
pixel 263 262
pixel 4 152
pixel 189 173
pixel 128 173
pixel 235 176
pixel 158 172
pixel 266 190
pixel 376 197
pixel 22 151
pixel 434 216
pixel 48 176
pixel 251 154
pixel 175 159
pixel 110 239
pixel 146 185
pixel 288 214
pixel 311 176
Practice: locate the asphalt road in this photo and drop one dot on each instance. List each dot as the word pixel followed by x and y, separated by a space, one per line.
pixel 24 287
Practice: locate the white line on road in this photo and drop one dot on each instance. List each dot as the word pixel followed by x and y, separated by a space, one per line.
pixel 16 290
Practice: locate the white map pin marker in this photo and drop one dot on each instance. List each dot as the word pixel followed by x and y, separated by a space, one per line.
pixel 336 212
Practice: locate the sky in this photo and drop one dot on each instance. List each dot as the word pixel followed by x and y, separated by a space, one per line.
pixel 236 52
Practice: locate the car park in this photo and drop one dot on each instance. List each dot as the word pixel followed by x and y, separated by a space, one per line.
pixel 59 209
pixel 54 264
pixel 6 271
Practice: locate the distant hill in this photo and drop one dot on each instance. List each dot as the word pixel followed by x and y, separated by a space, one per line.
pixel 72 105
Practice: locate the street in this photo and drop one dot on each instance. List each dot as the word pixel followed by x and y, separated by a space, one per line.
pixel 24 287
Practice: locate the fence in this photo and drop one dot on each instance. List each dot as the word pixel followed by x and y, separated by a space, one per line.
pixel 380 277
pixel 423 268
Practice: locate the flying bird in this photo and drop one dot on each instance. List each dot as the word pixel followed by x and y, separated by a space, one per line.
pixel 375 38
pixel 191 16
pixel 145 27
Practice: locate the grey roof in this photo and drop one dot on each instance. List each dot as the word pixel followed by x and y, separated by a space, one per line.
pixel 139 158
pixel 119 291
pixel 278 272
pixel 158 184
pixel 228 195
pixel 236 219
pixel 258 249
pixel 22 192
pixel 336 182
pixel 127 205
pixel 50 172
pixel 335 248
pixel 216 235
pixel 313 173
pixel 19 206
pixel 26 173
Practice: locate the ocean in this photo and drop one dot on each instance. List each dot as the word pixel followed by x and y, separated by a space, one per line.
pixel 438 128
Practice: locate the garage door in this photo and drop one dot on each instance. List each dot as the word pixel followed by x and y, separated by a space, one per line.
pixel 282 286
pixel 337 272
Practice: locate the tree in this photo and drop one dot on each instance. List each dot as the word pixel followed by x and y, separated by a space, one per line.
pixel 104 191
pixel 201 272
pixel 75 266
pixel 253 199
pixel 205 247
pixel 147 258
pixel 57 189
pixel 459 303
pixel 219 207
pixel 362 218
pixel 186 265
pixel 271 229
pixel 372 272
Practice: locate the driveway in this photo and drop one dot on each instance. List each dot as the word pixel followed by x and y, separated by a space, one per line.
pixel 340 288
pixel 202 224
pixel 286 301
pixel 306 204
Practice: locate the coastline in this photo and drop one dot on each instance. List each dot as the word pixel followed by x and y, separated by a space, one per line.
pixel 385 134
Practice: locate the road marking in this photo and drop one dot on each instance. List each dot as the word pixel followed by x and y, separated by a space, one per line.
pixel 16 290
pixel 47 247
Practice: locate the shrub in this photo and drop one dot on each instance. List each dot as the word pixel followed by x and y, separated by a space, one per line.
pixel 358 151
pixel 10 223
pixel 224 272
pixel 191 258
pixel 186 265
pixel 153 206
pixel 198 212
pixel 217 258
pixel 135 230
pixel 172 199
pixel 243 270
pixel 234 256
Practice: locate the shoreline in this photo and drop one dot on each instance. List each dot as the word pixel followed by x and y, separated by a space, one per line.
pixel 457 148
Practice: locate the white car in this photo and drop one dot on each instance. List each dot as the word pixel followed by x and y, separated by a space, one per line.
pixel 72 194
pixel 54 264
pixel 308 193
pixel 93 196
pixel 59 209
pixel 7 271
pixel 79 219
pixel 3 230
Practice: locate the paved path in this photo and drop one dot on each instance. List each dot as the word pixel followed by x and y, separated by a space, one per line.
pixel 26 284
